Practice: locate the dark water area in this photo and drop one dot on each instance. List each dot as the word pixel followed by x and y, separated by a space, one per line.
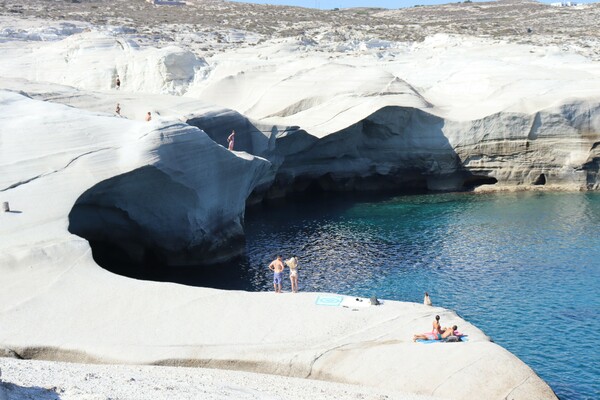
pixel 523 267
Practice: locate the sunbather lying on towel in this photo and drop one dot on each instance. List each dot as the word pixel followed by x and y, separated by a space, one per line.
pixel 436 336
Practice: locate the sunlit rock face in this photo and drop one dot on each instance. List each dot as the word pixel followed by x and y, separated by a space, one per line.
pixel 94 61
pixel 556 146
pixel 160 190
pixel 449 113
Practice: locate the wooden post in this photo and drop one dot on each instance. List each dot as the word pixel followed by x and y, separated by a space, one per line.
pixel 5 207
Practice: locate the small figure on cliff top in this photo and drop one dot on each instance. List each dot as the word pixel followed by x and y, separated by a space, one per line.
pixel 277 267
pixel 118 109
pixel 149 116
pixel 427 299
pixel 292 264
pixel 118 82
pixel 231 140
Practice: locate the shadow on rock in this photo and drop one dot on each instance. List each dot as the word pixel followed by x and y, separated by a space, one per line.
pixel 10 391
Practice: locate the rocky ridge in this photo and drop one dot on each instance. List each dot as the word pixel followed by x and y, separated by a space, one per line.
pixel 231 24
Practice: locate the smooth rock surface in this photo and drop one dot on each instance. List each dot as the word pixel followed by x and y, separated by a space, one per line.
pixel 59 305
pixel 450 112
pixel 144 185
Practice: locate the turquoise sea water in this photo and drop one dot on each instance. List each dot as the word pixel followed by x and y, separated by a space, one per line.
pixel 524 267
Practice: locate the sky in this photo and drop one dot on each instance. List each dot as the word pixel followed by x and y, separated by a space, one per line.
pixel 329 4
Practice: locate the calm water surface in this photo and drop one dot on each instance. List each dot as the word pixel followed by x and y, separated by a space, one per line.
pixel 525 268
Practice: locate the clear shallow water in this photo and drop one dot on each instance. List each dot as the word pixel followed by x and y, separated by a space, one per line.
pixel 525 268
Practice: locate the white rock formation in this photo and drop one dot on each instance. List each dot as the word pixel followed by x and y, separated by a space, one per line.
pixel 93 60
pixel 449 113
pixel 159 185
pixel 173 181
pixel 443 114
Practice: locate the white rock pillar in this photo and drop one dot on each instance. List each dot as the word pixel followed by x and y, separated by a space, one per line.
pixel 5 207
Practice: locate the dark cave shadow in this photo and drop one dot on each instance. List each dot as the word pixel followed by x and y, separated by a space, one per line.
pixel 434 161
pixel 226 276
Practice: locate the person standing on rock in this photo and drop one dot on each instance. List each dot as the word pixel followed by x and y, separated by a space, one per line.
pixel 277 267
pixel 427 299
pixel 231 140
pixel 292 264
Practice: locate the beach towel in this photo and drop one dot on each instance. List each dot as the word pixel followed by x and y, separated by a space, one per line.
pixel 462 338
pixel 333 301
pixel 355 302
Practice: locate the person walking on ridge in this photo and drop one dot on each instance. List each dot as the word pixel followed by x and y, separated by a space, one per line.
pixel 118 109
pixel 118 82
pixel 231 140
pixel 149 116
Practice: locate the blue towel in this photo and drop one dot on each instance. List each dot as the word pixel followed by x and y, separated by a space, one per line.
pixel 329 300
pixel 462 339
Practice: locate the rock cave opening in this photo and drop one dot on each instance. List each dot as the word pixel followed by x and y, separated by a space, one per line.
pixel 410 182
pixel 474 181
pixel 540 180
pixel 152 267
pixel 133 223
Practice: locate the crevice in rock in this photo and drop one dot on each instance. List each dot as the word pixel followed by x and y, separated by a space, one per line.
pixel 507 397
pixel 592 169
pixel 25 181
pixel 535 127
pixel 455 373
pixel 312 363
pixel 250 137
